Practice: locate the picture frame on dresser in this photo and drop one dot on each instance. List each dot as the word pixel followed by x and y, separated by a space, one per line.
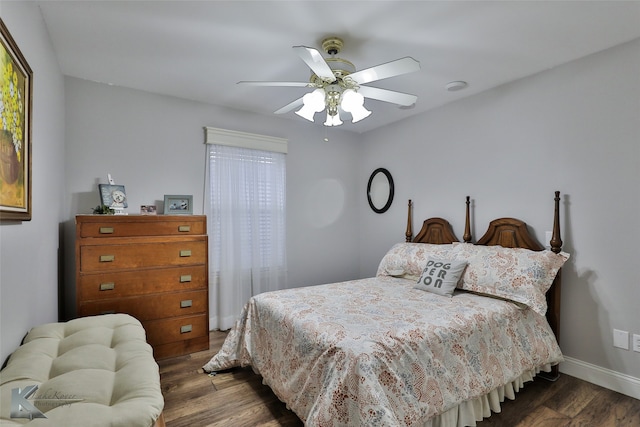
pixel 16 98
pixel 148 210
pixel 113 196
pixel 177 204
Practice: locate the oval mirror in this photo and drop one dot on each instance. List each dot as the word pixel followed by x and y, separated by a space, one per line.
pixel 380 190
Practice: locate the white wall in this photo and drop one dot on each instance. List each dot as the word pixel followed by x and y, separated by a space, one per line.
pixel 29 250
pixel 154 145
pixel 576 129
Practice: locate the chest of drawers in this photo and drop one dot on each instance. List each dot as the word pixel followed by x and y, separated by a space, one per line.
pixel 154 268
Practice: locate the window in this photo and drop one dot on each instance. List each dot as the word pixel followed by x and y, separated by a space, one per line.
pixel 246 226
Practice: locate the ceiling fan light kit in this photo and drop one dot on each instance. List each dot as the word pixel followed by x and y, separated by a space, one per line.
pixel 339 88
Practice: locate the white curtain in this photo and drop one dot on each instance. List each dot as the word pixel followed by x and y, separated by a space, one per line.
pixel 246 228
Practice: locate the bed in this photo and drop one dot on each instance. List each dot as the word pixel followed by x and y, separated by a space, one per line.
pixel 439 337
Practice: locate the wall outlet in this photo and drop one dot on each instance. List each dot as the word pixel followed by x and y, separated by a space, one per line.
pixel 547 239
pixel 621 339
pixel 636 342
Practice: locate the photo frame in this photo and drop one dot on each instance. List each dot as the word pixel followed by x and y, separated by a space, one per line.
pixel 16 102
pixel 148 210
pixel 113 196
pixel 176 204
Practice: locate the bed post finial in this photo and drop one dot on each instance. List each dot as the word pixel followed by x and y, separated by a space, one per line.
pixel 556 241
pixel 467 226
pixel 409 233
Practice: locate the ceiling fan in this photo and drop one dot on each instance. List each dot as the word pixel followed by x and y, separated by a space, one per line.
pixel 339 88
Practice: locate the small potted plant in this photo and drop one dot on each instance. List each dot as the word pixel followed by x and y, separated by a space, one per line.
pixel 103 210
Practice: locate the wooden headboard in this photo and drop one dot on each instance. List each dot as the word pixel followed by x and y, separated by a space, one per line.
pixel 436 230
pixel 506 232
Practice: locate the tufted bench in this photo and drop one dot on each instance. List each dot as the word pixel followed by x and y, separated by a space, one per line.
pixel 91 371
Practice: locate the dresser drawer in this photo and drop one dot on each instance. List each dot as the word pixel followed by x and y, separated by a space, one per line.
pixel 94 258
pixel 150 307
pixel 176 329
pixel 136 226
pixel 119 284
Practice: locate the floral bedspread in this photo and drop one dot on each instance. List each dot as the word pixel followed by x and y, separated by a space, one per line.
pixel 378 352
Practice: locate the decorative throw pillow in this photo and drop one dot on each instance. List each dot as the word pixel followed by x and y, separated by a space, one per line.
pixel 411 258
pixel 441 276
pixel 516 274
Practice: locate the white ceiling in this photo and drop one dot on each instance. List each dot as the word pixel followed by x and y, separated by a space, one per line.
pixel 199 50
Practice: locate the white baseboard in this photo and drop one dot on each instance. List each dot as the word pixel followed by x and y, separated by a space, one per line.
pixel 622 383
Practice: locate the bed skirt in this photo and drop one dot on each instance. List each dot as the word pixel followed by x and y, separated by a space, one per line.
pixel 467 413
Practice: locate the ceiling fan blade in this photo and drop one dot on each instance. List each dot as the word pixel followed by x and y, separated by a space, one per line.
pixel 290 106
pixel 290 84
pixel 316 62
pixel 390 69
pixel 386 95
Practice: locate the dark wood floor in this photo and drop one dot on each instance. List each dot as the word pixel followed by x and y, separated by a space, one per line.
pixel 238 398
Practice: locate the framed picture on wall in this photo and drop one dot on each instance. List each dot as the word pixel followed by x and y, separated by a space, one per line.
pixel 176 204
pixel 16 88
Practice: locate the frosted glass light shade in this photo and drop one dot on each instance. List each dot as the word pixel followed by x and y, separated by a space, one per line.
pixel 333 120
pixel 353 102
pixel 359 114
pixel 313 102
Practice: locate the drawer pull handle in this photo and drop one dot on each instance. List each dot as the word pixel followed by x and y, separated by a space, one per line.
pixel 185 253
pixel 186 303
pixel 106 230
pixel 184 228
pixel 107 258
pixel 185 329
pixel 107 286
pixel 109 312
pixel 185 278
